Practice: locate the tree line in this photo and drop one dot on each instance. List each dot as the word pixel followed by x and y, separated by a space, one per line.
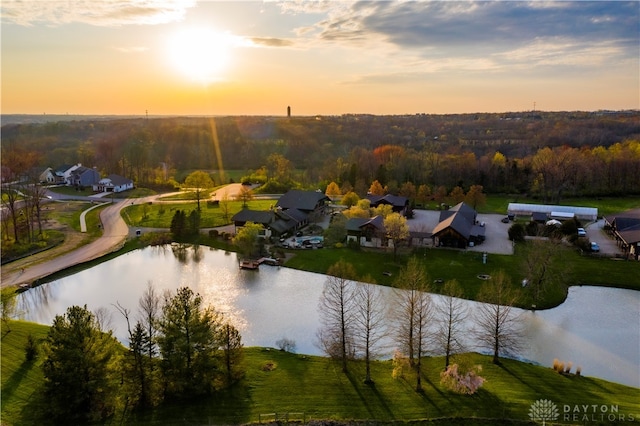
pixel 177 348
pixel 357 323
pixel 519 153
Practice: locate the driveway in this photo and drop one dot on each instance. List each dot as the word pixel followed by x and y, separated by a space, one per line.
pixel 596 232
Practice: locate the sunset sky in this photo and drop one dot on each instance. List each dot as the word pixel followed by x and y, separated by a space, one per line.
pixel 183 57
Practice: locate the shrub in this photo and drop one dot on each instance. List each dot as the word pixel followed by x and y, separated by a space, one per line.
pixel 532 228
pixel 400 364
pixel 214 233
pixel 462 382
pixel 31 348
pixel 517 232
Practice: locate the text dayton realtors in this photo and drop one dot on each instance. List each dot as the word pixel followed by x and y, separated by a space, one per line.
pixel 595 413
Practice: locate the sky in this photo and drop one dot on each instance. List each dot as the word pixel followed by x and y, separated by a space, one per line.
pixel 188 57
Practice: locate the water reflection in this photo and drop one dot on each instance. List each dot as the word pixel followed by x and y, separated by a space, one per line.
pixel 275 303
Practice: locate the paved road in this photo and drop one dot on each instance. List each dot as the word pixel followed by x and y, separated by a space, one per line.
pixel 114 235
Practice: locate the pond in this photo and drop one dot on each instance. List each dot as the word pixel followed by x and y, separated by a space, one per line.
pixel 276 302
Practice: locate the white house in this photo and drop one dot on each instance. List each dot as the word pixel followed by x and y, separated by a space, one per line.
pixel 113 183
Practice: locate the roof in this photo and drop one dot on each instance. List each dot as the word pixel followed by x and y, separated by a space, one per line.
pixel 357 223
pixel 462 219
pixel 301 200
pixel 627 225
pixel 458 222
pixel 466 210
pixel 255 216
pixel 394 200
pixel 119 180
pixel 525 209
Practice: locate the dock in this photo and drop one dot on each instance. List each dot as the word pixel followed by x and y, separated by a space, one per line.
pixel 254 264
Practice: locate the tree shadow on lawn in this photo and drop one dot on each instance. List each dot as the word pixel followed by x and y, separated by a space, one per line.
pixel 370 397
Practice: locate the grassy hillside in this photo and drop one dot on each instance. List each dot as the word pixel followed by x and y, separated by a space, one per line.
pixel 307 388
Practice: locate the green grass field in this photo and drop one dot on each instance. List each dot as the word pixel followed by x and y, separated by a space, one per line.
pixel 310 387
pixel 159 215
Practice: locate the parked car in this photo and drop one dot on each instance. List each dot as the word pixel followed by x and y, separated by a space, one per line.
pixel 505 220
pixel 582 232
pixel 595 247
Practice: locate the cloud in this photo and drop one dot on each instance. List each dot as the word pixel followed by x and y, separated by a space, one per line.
pixel 99 13
pixel 549 32
pixel 271 42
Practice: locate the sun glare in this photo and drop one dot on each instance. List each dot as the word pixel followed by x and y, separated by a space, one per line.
pixel 200 53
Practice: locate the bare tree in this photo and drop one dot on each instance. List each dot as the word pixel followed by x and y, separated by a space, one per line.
pixel 337 313
pixel 370 323
pixel 452 313
pixel 149 312
pixel 245 195
pixel 413 314
pixel 498 327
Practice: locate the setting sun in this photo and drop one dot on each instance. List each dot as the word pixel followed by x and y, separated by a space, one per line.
pixel 200 53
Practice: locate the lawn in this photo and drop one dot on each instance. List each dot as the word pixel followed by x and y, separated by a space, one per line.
pixel 465 266
pixel 310 387
pixel 159 215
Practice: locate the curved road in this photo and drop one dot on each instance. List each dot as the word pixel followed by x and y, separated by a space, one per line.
pixel 114 235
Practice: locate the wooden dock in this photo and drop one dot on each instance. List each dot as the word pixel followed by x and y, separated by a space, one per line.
pixel 254 264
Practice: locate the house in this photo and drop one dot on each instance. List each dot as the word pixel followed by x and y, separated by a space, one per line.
pixel 398 203
pixel 63 173
pixel 264 218
pixel 113 183
pixel 625 228
pixel 83 177
pixel 292 211
pixel 458 227
pixel 275 222
pixel 313 203
pixel 367 232
pixel 47 177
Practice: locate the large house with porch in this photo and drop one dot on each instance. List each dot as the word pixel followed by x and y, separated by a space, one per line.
pixel 367 232
pixel 458 228
pixel 293 210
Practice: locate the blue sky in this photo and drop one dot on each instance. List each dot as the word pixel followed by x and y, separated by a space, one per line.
pixel 320 57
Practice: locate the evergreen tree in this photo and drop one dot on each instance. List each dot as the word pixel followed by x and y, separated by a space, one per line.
pixel 178 225
pixel 193 224
pixel 80 368
pixel 189 341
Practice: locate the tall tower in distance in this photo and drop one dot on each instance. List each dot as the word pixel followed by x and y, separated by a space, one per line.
pixel 289 112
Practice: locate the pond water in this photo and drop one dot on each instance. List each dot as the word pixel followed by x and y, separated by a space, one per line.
pixel 596 328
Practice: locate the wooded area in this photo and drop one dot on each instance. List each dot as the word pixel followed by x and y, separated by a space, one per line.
pixel 544 154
